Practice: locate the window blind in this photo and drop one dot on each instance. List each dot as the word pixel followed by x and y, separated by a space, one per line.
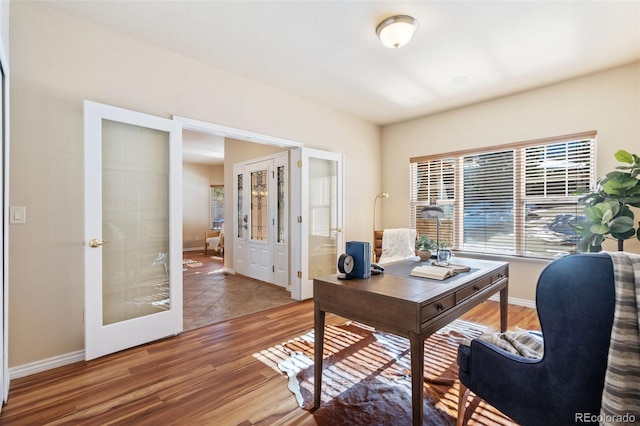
pixel 517 199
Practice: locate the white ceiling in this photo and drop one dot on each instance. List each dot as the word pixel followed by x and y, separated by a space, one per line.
pixel 327 51
pixel 202 148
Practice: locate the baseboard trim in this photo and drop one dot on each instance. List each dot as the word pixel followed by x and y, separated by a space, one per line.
pixel 45 364
pixel 515 301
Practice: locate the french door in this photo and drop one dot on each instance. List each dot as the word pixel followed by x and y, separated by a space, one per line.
pixel 133 228
pixel 321 217
pixel 261 235
pixel 4 243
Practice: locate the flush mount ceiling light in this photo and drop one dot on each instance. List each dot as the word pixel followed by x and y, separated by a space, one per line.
pixel 396 31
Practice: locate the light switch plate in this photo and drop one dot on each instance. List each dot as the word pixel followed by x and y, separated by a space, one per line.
pixel 17 214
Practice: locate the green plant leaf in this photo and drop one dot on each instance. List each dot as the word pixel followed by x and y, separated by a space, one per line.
pixel 621 224
pixel 619 186
pixel 599 228
pixel 626 211
pixel 594 214
pixel 623 235
pixel 624 157
pixel 615 207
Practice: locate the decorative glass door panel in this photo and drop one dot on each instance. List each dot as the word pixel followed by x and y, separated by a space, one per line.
pixel 242 219
pixel 135 222
pixel 259 205
pixel 282 207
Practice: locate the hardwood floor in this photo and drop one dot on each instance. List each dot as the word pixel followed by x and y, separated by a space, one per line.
pixel 213 375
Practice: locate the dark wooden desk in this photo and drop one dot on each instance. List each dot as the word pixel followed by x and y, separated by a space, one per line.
pixel 407 306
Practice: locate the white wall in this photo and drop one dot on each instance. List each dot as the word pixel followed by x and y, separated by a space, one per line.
pixel 196 188
pixel 608 102
pixel 58 61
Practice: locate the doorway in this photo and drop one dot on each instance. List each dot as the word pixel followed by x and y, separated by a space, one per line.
pixel 204 302
pixel 313 196
pixel 260 219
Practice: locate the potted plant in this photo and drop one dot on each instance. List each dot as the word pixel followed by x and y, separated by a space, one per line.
pixel 424 245
pixel 608 207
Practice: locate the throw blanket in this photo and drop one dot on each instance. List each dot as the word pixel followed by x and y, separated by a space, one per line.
pixel 621 394
pixel 529 344
pixel 398 244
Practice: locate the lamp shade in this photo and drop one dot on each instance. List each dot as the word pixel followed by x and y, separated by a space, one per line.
pixel 396 31
pixel 432 212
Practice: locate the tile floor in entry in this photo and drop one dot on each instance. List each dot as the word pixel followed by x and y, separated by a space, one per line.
pixel 209 296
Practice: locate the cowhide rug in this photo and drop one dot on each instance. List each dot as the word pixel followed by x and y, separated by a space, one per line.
pixel 366 377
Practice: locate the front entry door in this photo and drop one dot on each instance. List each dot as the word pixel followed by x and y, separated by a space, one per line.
pixel 133 223
pixel 259 231
pixel 261 241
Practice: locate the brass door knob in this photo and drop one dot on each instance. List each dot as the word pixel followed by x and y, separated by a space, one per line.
pixel 97 243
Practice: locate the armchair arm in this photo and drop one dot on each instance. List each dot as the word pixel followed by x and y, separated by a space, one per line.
pixel 505 380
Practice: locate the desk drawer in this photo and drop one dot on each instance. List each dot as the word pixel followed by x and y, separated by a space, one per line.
pixel 497 276
pixel 436 308
pixel 473 288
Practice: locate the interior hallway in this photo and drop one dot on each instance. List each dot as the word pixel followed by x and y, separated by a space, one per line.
pixel 210 297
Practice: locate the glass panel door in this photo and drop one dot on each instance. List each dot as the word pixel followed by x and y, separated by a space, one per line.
pixel 322 213
pixel 133 222
pixel 259 245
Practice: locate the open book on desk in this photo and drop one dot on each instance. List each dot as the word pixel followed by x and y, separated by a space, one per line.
pixel 438 272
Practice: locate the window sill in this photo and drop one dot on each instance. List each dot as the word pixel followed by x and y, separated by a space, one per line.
pixel 502 258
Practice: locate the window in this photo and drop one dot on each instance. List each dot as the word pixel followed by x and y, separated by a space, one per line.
pixel 216 199
pixel 518 199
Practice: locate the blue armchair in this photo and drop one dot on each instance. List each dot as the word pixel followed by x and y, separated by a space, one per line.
pixel 575 299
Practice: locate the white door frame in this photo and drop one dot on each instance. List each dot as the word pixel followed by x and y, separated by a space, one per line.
pixel 294 190
pixel 4 373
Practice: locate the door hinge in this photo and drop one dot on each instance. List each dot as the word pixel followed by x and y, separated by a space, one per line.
pixel 273 268
pixel 299 219
pixel 299 274
pixel 299 164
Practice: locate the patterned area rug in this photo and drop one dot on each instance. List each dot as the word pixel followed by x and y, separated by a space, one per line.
pixel 366 377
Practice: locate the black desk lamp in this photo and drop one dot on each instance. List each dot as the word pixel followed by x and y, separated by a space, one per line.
pixel 434 211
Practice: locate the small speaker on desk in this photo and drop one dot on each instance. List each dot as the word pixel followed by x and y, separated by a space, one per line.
pixel 361 253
